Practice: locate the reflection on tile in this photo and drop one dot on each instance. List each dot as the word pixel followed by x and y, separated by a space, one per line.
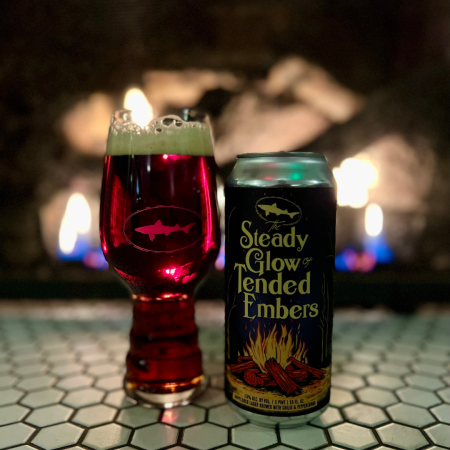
pixel 154 437
pixel 376 397
pixel 385 381
pixel 184 416
pixel 94 415
pixel 106 437
pixel 339 397
pixel 305 438
pixel 365 415
pixel 57 436
pixel 439 434
pixel 137 416
pixel 15 434
pixel 442 412
pixel 253 437
pixel 217 381
pixel 418 397
pixel 49 415
pixel 224 415
pixel 11 414
pixel 347 381
pixel 410 415
pixel 205 436
pixel 401 437
pixel 330 417
pixel 42 398
pixel 83 397
pixel 352 436
pixel 211 397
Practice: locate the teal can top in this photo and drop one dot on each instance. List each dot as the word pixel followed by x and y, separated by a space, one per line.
pixel 277 169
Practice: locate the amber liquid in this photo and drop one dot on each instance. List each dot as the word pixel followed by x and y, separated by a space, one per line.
pixel 160 234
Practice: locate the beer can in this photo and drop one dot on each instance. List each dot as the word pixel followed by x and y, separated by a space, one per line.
pixel 280 214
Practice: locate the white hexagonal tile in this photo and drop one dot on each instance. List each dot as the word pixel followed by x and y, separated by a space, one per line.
pixel 31 370
pixel 444 394
pixel 83 397
pixel 184 416
pixel 106 437
pixel 330 417
pixel 10 396
pixel 401 437
pixel 110 383
pixel 92 416
pixel 154 437
pixel 75 382
pixel 7 381
pixel 118 399
pixel 225 416
pixel 347 381
pixel 418 397
pixel 365 415
pixel 67 369
pixel 352 436
pixel 376 397
pixel 253 437
pixel 424 382
pixel 15 434
pixel 429 369
pixel 339 397
pixel 42 398
pixel 357 368
pixel 12 414
pixel 385 381
pixel 211 397
pixel 410 415
pixel 137 416
pixel 49 415
pixel 442 412
pixel 439 434
pixel 57 436
pixel 35 383
pixel 103 369
pixel 304 438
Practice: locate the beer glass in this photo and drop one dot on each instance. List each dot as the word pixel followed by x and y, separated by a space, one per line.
pixel 160 233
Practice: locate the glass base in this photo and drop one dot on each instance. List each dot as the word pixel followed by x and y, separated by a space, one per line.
pixel 277 421
pixel 141 394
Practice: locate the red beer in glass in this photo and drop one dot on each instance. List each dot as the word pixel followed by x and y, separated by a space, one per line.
pixel 160 234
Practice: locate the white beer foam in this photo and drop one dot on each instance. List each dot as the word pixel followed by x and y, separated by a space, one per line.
pixel 164 135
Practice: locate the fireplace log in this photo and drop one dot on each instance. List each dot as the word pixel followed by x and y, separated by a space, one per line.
pixel 316 373
pixel 238 368
pixel 251 378
pixel 242 359
pixel 281 378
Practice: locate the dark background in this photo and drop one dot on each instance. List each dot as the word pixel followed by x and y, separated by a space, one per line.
pixel 55 53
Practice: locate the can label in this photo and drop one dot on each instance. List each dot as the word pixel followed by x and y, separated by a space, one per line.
pixel 279 283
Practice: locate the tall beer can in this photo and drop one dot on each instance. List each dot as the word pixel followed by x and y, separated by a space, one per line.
pixel 280 246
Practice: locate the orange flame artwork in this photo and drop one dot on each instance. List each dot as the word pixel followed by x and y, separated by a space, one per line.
pixel 271 346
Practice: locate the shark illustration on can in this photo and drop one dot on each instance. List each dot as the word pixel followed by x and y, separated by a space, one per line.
pixel 274 210
pixel 159 228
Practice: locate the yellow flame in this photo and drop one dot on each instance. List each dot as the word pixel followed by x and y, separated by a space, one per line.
pixel 373 219
pixel 354 178
pixel 265 347
pixel 77 220
pixel 136 101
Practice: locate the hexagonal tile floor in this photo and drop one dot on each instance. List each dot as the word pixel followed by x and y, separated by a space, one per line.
pixel 61 369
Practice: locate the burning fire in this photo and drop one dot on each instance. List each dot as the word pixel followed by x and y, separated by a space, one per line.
pixel 270 346
pixel 136 101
